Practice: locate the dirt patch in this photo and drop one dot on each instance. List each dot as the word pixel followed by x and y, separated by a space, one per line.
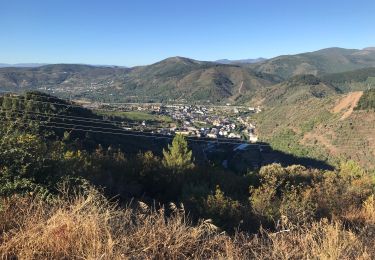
pixel 347 104
pixel 240 89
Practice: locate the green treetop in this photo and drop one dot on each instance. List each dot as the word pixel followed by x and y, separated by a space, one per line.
pixel 178 156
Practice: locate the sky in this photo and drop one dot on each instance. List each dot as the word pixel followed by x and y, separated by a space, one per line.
pixel 140 32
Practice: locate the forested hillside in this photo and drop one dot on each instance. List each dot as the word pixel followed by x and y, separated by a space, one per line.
pixel 330 60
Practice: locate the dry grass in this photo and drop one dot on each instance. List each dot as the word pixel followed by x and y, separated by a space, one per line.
pixel 87 226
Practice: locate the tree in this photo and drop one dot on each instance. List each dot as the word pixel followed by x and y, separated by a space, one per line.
pixel 178 156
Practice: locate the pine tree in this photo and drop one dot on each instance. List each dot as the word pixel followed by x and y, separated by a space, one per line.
pixel 178 156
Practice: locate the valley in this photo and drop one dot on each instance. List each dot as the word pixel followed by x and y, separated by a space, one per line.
pixel 303 105
pixel 187 130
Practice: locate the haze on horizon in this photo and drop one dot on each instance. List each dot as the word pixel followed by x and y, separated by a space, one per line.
pixel 129 33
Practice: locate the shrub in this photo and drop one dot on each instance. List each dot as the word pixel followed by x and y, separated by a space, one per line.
pixel 264 201
pixel 225 212
pixel 297 206
pixel 340 191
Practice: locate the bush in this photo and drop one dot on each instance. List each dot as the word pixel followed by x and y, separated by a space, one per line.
pixel 225 212
pixel 297 206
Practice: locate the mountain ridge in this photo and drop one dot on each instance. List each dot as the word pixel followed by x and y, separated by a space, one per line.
pixel 328 60
pixel 184 79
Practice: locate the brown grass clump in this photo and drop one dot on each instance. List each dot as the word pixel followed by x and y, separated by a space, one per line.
pixel 320 240
pixel 87 226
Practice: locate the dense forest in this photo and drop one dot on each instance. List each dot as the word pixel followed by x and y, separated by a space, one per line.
pixel 97 198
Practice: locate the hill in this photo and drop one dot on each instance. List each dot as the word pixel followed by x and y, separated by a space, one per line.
pixel 175 78
pixel 326 128
pixel 242 61
pixel 330 60
pixel 304 86
pixel 21 65
pixel 367 101
pixel 295 90
pixel 360 79
pixel 182 79
pixel 56 118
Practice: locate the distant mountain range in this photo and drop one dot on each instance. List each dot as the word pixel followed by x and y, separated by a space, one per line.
pixel 331 60
pixel 174 78
pixel 22 65
pixel 244 61
pixel 180 79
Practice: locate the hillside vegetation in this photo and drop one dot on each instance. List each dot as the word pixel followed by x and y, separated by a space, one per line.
pixel 367 100
pixel 295 90
pixel 331 60
pixel 328 128
pixel 67 193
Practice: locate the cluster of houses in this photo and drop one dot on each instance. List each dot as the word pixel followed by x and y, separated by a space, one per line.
pixel 212 122
pixel 233 122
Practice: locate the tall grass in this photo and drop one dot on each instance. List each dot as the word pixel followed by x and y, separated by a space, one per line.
pixel 87 226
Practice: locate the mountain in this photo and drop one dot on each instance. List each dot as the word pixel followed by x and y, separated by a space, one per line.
pixel 294 90
pixel 331 60
pixel 325 128
pixel 65 79
pixel 186 79
pixel 182 79
pixel 174 78
pixel 22 65
pixel 244 61
pixel 302 87
pixel 360 79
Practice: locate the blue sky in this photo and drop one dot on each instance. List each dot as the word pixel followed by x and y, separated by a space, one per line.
pixel 144 31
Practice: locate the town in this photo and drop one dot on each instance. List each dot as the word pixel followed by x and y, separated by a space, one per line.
pixel 208 121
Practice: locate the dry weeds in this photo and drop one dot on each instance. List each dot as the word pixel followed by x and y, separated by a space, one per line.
pixel 87 226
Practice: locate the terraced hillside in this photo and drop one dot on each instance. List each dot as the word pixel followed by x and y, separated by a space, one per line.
pixel 328 128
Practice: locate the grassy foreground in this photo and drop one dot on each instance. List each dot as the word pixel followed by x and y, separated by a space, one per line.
pixel 88 226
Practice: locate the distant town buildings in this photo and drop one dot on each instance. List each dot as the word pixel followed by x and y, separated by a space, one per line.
pixel 196 120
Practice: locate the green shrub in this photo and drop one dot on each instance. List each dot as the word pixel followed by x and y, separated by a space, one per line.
pixel 225 212
pixel 297 206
